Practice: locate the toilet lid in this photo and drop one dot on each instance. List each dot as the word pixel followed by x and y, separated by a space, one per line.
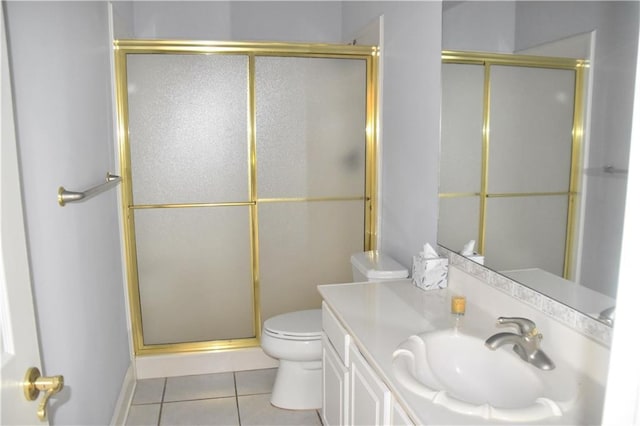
pixel 299 324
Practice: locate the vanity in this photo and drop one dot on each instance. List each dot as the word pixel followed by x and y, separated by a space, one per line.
pixel 367 357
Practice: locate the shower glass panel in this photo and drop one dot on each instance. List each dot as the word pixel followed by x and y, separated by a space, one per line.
pixel 458 221
pixel 527 232
pixel 531 129
pixel 188 128
pixel 183 255
pixel 303 245
pixel 311 146
pixel 511 142
pixel 311 121
pixel 188 145
pixel 461 146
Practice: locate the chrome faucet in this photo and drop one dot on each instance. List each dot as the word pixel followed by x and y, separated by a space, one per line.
pixel 608 316
pixel 526 344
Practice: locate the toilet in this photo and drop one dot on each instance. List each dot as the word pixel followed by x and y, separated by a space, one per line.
pixel 295 339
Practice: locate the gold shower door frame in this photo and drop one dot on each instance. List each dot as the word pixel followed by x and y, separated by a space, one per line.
pixel 251 50
pixel 487 60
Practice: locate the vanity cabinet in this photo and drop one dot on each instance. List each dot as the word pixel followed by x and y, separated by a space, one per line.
pixel 352 392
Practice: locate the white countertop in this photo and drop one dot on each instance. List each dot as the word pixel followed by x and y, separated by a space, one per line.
pixel 381 315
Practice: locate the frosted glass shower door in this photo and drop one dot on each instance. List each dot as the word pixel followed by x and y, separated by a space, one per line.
pixel 530 158
pixel 311 152
pixel 190 188
pixel 461 154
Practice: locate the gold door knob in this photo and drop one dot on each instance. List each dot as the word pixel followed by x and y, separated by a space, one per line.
pixel 34 383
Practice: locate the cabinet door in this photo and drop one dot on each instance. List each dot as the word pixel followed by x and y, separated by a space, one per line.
pixel 336 333
pixel 335 379
pixel 399 417
pixel 369 398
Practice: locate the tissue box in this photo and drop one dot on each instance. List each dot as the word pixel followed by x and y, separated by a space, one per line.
pixel 430 274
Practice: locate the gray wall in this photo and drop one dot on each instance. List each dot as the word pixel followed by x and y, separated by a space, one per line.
pixel 59 55
pixel 410 119
pixel 306 21
pixel 487 26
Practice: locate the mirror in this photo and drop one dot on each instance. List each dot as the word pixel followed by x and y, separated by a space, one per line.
pixel 563 238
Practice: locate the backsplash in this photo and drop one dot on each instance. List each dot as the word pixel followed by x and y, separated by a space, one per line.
pixel 578 321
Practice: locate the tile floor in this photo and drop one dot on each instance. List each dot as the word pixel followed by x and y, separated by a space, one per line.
pixel 240 398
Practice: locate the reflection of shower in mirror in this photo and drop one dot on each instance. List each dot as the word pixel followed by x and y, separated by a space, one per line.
pixel 568 202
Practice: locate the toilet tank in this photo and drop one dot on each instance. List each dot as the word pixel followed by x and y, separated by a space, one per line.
pixel 376 266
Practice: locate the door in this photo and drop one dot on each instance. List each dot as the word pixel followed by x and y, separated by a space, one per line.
pixel 335 385
pixel 257 169
pixel 19 338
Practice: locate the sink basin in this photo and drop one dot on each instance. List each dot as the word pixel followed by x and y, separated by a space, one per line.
pixel 459 372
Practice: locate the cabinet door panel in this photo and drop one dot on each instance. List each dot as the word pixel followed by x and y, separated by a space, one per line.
pixel 369 398
pixel 399 417
pixel 335 380
pixel 336 334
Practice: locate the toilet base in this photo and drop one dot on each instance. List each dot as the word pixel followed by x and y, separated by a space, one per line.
pixel 298 385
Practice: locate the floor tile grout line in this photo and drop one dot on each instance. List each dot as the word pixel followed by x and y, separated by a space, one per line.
pixel 146 403
pixel 235 385
pixel 199 399
pixel 164 390
pixel 254 394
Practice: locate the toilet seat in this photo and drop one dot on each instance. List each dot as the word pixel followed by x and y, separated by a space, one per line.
pixel 299 325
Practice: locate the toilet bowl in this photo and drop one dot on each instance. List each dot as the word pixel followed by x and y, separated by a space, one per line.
pixel 295 339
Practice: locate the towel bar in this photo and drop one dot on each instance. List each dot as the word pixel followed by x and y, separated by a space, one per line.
pixel 65 196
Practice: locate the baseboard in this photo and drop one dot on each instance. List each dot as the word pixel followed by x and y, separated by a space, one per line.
pixel 123 403
pixel 185 364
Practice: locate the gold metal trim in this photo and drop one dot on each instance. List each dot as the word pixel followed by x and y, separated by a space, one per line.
pixel 256 48
pixel 206 346
pixel 122 107
pixel 501 194
pixel 253 195
pixel 189 205
pixel 526 194
pixel 371 162
pixel 484 177
pixel 243 203
pixel 487 60
pixel 252 50
pixel 308 200
pixel 574 179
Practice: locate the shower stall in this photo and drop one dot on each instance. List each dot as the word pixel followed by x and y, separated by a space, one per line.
pixel 248 179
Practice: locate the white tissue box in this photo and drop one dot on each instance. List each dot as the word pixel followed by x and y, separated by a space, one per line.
pixel 430 274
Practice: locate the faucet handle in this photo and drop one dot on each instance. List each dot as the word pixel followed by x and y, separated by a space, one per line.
pixel 525 325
